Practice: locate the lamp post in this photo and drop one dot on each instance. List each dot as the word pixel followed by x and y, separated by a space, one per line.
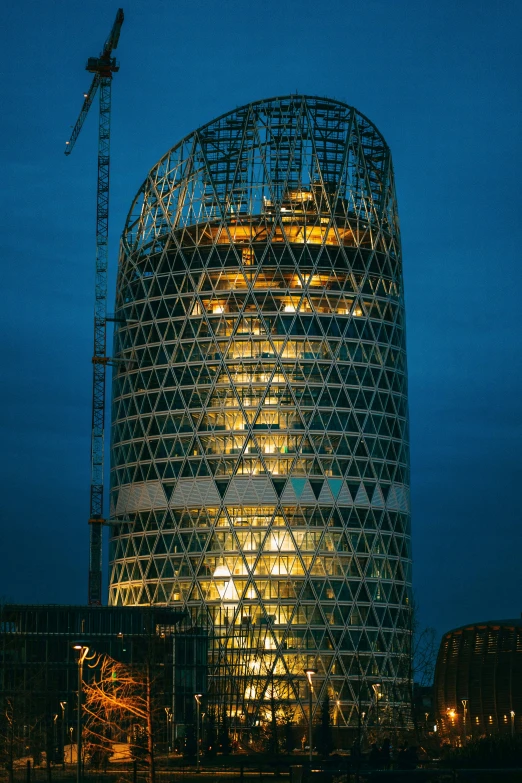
pixel 55 735
pixel 377 694
pixel 512 714
pixel 71 730
pixel 168 717
pixel 309 674
pixel 337 711
pixel 82 652
pixel 465 719
pixel 360 717
pixel 62 705
pixel 197 696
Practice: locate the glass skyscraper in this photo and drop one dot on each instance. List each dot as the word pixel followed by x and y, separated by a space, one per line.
pixel 259 430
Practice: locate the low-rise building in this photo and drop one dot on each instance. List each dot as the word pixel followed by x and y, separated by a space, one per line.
pixel 39 667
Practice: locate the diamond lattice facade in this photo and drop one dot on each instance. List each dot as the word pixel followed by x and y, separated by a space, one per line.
pixel 259 441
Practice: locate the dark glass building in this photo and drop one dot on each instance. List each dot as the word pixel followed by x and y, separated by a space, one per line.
pixel 478 680
pixel 260 430
pixel 39 669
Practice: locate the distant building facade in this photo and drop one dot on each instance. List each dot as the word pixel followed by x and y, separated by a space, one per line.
pixel 478 680
pixel 260 458
pixel 39 670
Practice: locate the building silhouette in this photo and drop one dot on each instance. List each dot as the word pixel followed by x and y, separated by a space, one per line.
pixel 478 680
pixel 259 430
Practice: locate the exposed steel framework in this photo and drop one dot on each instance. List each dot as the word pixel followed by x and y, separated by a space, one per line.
pixel 259 444
pixel 478 680
pixel 102 67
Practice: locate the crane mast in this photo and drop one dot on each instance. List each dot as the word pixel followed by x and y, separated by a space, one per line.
pixel 103 68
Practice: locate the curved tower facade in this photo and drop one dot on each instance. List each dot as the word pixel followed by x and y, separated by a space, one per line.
pixel 259 442
pixel 478 681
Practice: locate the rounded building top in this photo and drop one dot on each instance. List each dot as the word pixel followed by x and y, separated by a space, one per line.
pixel 266 105
pixel 516 623
pixel 294 158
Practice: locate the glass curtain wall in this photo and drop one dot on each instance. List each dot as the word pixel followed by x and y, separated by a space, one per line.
pixel 259 427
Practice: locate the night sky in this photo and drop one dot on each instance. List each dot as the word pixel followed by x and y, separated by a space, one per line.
pixel 442 82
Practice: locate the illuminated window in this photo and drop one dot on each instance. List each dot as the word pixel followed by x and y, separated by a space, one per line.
pixel 248 255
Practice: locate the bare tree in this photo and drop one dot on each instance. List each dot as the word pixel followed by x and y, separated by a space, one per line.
pixel 28 702
pixel 119 705
pixel 7 737
pixel 422 657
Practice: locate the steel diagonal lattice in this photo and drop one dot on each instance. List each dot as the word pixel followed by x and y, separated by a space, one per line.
pixel 259 440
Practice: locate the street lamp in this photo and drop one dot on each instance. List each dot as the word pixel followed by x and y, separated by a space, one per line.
pixel 377 694
pixel 71 730
pixel 464 718
pixel 55 735
pixel 63 705
pixel 82 653
pixel 512 714
pixel 197 696
pixel 168 716
pixel 309 674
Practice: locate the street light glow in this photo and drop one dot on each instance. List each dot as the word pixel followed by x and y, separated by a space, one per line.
pixel 310 673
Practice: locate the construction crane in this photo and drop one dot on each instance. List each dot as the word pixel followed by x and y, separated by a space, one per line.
pixel 103 68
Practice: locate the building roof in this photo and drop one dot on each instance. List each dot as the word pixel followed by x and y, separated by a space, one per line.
pixel 516 623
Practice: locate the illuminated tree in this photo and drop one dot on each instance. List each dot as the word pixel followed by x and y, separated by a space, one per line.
pixel 119 704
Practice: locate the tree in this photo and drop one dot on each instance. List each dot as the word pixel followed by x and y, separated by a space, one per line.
pixel 325 743
pixel 287 719
pixel 211 734
pixel 273 745
pixel 119 704
pixel 496 751
pixel 8 742
pixel 29 698
pixel 191 747
pixel 224 734
pixel 421 659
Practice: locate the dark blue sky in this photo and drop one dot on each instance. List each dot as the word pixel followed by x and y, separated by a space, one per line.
pixel 442 81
